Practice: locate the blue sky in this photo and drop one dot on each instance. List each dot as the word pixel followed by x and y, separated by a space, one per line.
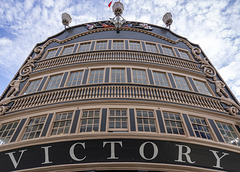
pixel 214 25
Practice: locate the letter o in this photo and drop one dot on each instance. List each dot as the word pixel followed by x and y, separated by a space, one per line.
pixel 155 150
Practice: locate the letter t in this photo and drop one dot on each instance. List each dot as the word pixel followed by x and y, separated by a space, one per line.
pixel 112 148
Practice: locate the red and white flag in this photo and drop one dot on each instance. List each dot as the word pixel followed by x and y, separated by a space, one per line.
pixel 109 5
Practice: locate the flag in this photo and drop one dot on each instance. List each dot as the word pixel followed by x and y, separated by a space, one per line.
pixel 109 5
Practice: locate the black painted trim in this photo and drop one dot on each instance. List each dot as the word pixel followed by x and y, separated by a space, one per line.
pixel 219 136
pixel 150 77
pixel 189 126
pixel 110 44
pixel 160 122
pixel 104 119
pixel 193 84
pixel 238 128
pixel 64 79
pixel 126 45
pixel 132 120
pixel 129 78
pixel 160 49
pixel 75 121
pixel 75 48
pixel 92 46
pixel 58 52
pixel 85 76
pixel 171 80
pixel 143 46
pixel 176 52
pixel 107 75
pixel 18 130
pixel 42 83
pixel 49 119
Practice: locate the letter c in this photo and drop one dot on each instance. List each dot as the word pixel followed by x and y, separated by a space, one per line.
pixel 71 151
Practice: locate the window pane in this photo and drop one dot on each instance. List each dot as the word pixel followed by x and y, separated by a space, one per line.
pixel 33 86
pixel 54 82
pixel 96 76
pixel 6 132
pixel 181 82
pixel 139 76
pixel 168 51
pixel 146 121
pixel 228 134
pixel 34 128
pixel 184 54
pixel 200 127
pixel 101 45
pixel 202 88
pixel 118 45
pixel 134 46
pixel 90 121
pixel 118 75
pixel 174 124
pixel 84 47
pixel 51 53
pixel 160 79
pixel 75 78
pixel 67 50
pixel 151 48
pixel 117 119
pixel 62 123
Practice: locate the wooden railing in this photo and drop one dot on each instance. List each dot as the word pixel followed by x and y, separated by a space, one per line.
pixel 116 92
pixel 117 56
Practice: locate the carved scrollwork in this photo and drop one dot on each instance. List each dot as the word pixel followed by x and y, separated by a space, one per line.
pixel 233 110
pixel 209 71
pixel 27 68
pixel 196 51
pixel 39 51
pixel 25 71
pixel 3 109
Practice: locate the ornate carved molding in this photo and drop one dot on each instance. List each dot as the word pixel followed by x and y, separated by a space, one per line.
pixel 3 105
pixel 116 92
pixel 233 108
pixel 24 73
pixel 208 70
pixel 40 49
pixel 14 86
pixel 27 69
pixel 117 56
pixel 109 24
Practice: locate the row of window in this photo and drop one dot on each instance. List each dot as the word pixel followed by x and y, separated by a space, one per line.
pixel 119 45
pixel 118 120
pixel 119 75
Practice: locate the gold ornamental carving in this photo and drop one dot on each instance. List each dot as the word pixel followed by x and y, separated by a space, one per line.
pixel 208 69
pixel 3 103
pixel 210 72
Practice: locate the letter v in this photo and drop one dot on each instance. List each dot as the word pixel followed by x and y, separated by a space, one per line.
pixel 15 163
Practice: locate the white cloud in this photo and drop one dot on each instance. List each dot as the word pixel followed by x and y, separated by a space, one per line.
pixel 214 25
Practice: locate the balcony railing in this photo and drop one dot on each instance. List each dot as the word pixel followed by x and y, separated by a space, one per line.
pixel 117 56
pixel 115 92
